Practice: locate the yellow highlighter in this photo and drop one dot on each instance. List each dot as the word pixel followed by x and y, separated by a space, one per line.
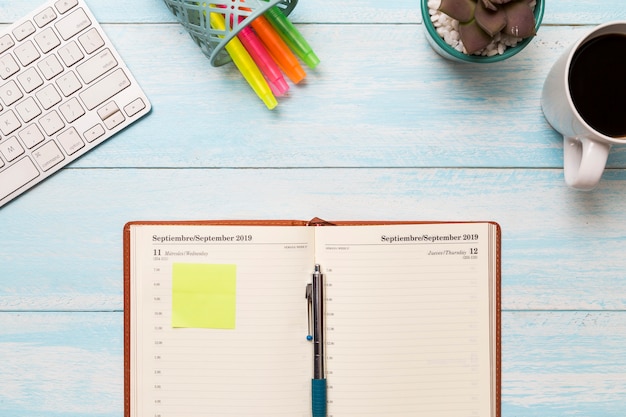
pixel 246 64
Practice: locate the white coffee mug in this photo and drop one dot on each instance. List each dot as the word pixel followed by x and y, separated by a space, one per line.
pixel 585 149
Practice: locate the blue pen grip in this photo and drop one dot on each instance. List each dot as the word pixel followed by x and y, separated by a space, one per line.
pixel 318 396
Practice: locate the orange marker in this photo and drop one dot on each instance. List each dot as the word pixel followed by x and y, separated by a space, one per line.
pixel 278 49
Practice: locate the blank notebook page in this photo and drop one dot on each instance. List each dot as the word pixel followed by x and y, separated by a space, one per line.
pixel 408 323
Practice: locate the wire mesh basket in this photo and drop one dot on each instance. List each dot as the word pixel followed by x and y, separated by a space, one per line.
pixel 194 16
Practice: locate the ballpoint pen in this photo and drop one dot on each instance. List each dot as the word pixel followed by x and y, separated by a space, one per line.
pixel 278 49
pixel 245 63
pixel 292 36
pixel 315 295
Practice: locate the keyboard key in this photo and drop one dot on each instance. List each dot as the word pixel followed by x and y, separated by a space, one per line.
pixel 31 136
pixel 108 109
pixel 47 40
pixel 91 41
pixel 48 155
pixel 16 176
pixel 105 89
pixel 70 141
pixel 30 79
pixel 46 16
pixel 51 123
pixel 6 42
pixel 94 133
pixel 71 54
pixel 8 66
pixel 24 30
pixel 71 110
pixel 11 148
pixel 28 109
pixel 73 23
pixel 134 107
pixel 48 96
pixel 26 53
pixel 68 83
pixel 65 5
pixel 50 67
pixel 9 122
pixel 114 120
pixel 94 67
pixel 10 93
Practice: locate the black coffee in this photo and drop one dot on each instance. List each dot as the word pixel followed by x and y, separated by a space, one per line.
pixel 597 83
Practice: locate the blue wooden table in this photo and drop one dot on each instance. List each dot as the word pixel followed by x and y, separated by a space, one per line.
pixel 383 129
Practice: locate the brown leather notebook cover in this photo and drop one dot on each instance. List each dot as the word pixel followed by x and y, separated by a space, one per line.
pixel 315 222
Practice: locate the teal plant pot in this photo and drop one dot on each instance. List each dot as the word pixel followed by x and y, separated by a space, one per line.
pixel 440 46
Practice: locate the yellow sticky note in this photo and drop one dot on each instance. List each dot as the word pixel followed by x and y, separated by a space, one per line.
pixel 204 295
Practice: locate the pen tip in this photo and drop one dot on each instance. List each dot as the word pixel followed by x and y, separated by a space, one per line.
pixel 270 101
pixel 311 60
pixel 279 87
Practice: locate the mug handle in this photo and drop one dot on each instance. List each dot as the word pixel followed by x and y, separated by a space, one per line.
pixel 584 161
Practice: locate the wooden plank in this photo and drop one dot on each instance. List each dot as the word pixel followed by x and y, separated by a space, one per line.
pixel 562 248
pixel 554 363
pixel 415 111
pixel 319 11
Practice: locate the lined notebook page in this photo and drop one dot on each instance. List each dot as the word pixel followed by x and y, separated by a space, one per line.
pixel 408 321
pixel 262 367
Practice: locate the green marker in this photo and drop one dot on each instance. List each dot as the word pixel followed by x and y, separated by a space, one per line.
pixel 292 37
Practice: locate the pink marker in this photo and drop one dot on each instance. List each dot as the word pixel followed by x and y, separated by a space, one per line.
pixel 264 61
pixel 262 58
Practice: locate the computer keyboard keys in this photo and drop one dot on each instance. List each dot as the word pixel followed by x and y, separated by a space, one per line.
pixel 68 83
pixel 50 67
pixel 48 155
pixel 10 93
pixel 134 107
pixel 24 30
pixel 70 140
pixel 63 91
pixel 94 133
pixel 28 109
pixel 9 122
pixel 70 54
pixel 71 110
pixel 26 53
pixel 91 41
pixel 8 66
pixel 97 65
pixel 30 79
pixel 48 96
pixel 105 89
pixel 51 123
pixel 64 5
pixel 11 148
pixel 31 136
pixel 47 40
pixel 73 23
pixel 46 16
pixel 6 42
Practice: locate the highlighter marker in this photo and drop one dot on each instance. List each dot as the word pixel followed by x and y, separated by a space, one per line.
pixel 278 49
pixel 264 61
pixel 246 65
pixel 292 37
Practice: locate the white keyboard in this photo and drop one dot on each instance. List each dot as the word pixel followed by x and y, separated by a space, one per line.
pixel 63 90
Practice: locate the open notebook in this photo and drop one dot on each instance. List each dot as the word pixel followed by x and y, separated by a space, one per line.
pixel 216 318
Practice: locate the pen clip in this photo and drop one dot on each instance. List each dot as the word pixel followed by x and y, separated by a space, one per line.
pixel 309 305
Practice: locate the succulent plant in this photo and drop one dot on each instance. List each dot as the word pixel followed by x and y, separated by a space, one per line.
pixel 481 20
